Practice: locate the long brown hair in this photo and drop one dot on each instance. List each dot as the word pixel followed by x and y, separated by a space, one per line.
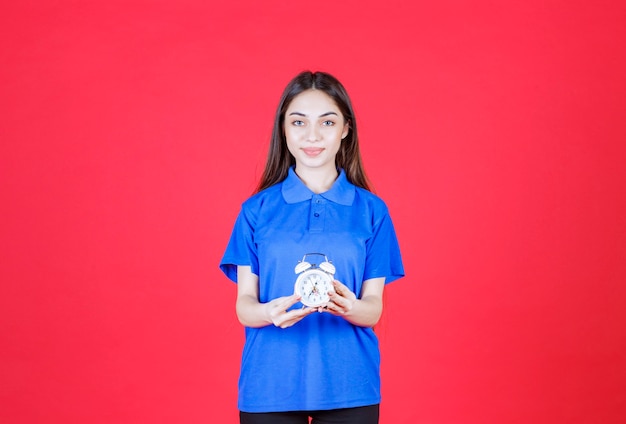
pixel 279 159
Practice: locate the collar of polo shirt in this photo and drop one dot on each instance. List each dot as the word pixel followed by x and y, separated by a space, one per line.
pixel 294 190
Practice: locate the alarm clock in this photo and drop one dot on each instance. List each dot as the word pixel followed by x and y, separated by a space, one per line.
pixel 314 281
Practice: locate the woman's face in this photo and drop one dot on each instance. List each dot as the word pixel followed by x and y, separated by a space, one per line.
pixel 314 128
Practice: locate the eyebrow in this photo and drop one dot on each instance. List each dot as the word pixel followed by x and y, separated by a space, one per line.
pixel 321 116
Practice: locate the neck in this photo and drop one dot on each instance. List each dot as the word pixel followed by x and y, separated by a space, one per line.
pixel 317 180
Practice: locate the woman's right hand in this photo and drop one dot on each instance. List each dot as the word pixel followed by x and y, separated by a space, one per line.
pixel 254 314
pixel 278 313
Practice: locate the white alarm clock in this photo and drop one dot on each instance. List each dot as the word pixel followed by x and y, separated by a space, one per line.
pixel 314 281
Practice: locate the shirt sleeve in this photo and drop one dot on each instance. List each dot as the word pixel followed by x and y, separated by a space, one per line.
pixel 241 248
pixel 383 253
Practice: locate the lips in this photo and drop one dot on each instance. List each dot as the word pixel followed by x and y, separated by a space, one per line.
pixel 312 151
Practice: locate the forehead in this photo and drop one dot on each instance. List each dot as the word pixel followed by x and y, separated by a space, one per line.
pixel 313 102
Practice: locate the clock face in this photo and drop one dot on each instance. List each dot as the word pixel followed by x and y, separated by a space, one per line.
pixel 313 286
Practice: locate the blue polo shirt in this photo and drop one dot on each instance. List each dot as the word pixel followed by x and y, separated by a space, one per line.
pixel 323 361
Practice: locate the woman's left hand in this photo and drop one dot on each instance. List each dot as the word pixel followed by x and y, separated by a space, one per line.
pixel 342 300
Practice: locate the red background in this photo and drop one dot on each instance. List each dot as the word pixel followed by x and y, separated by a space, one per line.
pixel 131 131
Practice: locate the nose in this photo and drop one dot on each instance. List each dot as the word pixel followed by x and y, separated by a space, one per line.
pixel 313 133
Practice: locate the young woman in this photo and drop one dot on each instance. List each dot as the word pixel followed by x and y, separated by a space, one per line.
pixel 311 252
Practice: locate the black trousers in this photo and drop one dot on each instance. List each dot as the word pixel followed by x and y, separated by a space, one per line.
pixel 360 415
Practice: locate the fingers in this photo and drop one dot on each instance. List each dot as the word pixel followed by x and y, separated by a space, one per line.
pixel 340 288
pixel 342 300
pixel 343 290
pixel 286 302
pixel 281 316
pixel 339 305
pixel 292 317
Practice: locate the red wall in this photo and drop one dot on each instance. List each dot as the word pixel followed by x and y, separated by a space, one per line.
pixel 131 131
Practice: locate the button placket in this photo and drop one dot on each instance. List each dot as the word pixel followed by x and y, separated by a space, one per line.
pixel 316 220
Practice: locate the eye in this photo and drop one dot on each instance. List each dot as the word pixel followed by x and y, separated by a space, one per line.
pixel 297 123
pixel 328 123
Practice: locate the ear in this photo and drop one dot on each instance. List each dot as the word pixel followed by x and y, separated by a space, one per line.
pixel 346 130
